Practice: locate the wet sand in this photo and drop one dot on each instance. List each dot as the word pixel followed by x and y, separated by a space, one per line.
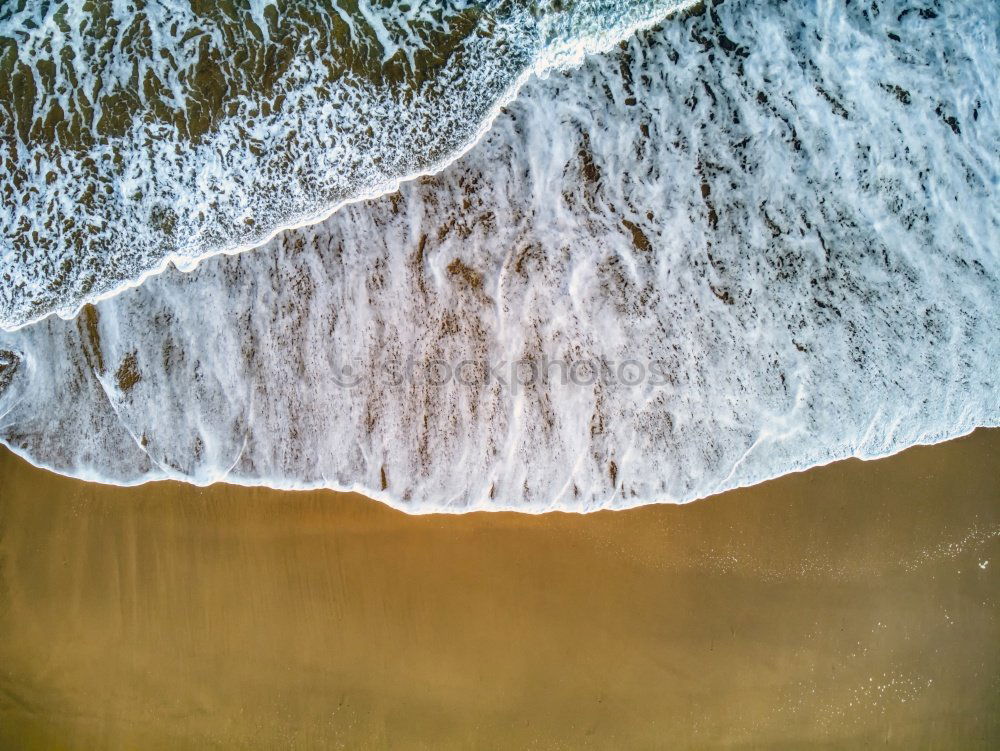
pixel 853 605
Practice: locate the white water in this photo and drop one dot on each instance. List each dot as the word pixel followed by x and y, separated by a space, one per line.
pixel 790 214
pixel 82 224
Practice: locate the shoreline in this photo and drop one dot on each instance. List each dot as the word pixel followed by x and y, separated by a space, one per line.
pixel 391 502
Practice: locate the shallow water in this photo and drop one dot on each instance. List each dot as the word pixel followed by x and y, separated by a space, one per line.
pixel 749 241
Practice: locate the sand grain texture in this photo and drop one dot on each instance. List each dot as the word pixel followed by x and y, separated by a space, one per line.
pixel 852 605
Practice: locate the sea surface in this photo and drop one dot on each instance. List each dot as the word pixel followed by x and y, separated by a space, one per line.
pixel 535 256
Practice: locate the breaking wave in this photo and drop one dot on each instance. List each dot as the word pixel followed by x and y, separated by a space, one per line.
pixel 137 135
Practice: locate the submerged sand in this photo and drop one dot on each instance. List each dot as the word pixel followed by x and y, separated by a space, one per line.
pixel 854 604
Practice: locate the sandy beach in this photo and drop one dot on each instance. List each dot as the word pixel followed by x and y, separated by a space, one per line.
pixel 853 605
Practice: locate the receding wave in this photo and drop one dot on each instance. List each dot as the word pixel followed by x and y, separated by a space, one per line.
pixel 752 240
pixel 140 134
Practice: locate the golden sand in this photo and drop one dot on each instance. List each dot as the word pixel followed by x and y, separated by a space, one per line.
pixel 854 604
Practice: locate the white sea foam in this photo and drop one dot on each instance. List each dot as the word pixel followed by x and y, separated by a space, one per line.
pixel 213 156
pixel 788 210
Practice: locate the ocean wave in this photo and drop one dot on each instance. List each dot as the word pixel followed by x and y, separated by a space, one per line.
pixel 784 215
pixel 138 136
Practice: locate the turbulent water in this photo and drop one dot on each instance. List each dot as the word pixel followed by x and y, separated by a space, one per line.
pixel 141 133
pixel 758 237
